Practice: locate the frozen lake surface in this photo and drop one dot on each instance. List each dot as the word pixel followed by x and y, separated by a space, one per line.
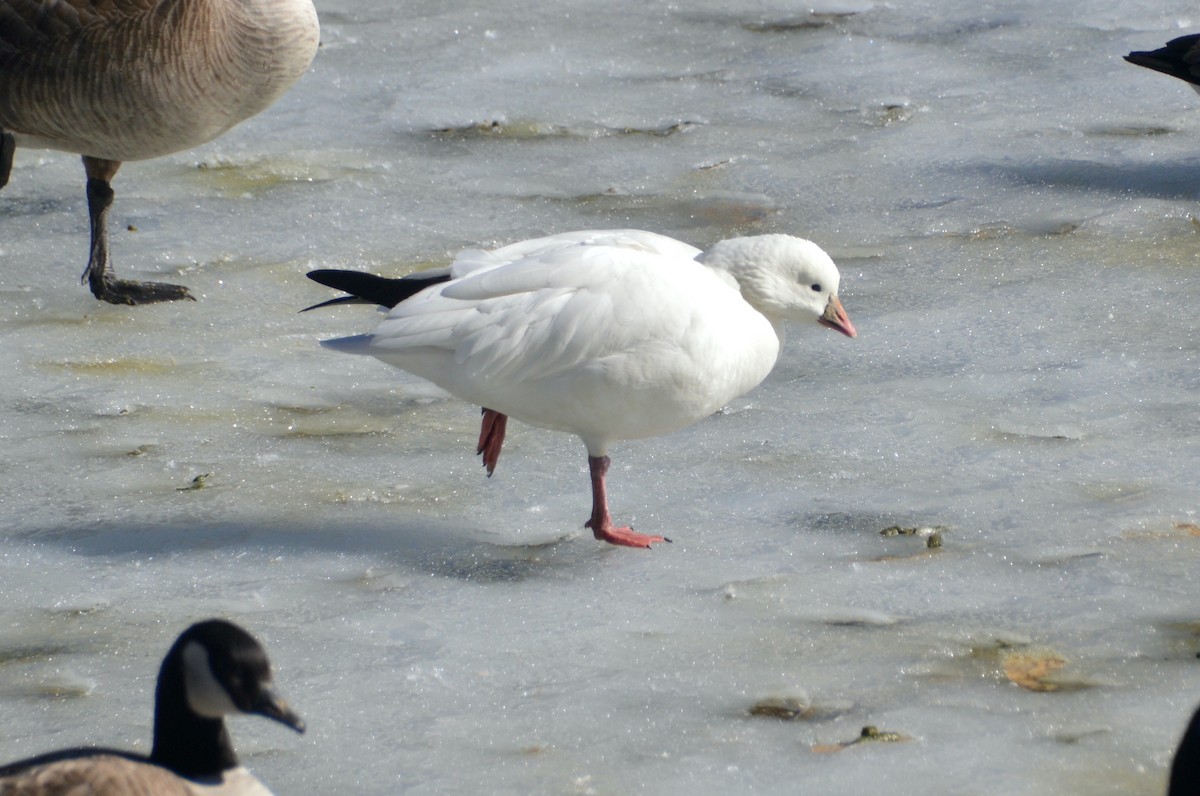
pixel 1014 210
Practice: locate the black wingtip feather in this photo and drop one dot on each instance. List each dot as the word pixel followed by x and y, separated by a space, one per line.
pixel 371 289
pixel 338 300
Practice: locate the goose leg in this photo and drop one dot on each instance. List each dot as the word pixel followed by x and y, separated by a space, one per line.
pixel 98 273
pixel 8 145
pixel 491 438
pixel 601 521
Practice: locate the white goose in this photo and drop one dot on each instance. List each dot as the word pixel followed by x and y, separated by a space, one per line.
pixel 609 335
pixel 117 80
pixel 1179 58
pixel 214 669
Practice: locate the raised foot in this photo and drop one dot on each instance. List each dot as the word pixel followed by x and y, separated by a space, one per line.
pixel 127 291
pixel 491 438
pixel 625 537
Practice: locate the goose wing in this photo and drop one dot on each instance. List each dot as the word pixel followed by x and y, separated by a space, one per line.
pixel 41 45
pixel 541 308
pixel 28 28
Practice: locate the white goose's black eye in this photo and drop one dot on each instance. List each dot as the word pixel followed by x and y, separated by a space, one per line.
pixel 816 287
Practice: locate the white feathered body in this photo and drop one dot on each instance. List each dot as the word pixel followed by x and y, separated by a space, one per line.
pixel 609 335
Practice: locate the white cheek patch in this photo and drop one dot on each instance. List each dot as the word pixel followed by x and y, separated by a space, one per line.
pixel 205 696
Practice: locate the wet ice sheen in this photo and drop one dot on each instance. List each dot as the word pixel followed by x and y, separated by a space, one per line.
pixel 1011 207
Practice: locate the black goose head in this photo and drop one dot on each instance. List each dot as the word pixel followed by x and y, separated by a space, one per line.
pixel 1185 770
pixel 214 669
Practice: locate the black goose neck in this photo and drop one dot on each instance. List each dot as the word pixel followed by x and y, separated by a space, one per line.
pixel 188 744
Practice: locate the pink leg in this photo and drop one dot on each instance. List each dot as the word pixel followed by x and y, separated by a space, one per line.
pixel 491 438
pixel 601 521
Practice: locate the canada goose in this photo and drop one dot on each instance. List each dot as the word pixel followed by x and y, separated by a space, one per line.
pixel 1185 770
pixel 214 669
pixel 1179 58
pixel 609 335
pixel 117 80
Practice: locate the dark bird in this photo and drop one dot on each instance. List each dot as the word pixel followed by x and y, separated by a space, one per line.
pixel 214 669
pixel 118 80
pixel 1179 58
pixel 1185 770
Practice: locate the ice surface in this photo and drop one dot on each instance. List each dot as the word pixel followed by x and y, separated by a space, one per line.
pixel 1014 211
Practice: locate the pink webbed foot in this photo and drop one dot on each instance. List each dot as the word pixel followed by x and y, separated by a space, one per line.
pixel 601 521
pixel 491 438
pixel 624 537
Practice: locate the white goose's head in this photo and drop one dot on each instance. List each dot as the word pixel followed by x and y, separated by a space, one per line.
pixel 784 278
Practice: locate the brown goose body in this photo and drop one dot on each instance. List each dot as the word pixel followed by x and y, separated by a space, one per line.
pixel 117 80
pixel 101 775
